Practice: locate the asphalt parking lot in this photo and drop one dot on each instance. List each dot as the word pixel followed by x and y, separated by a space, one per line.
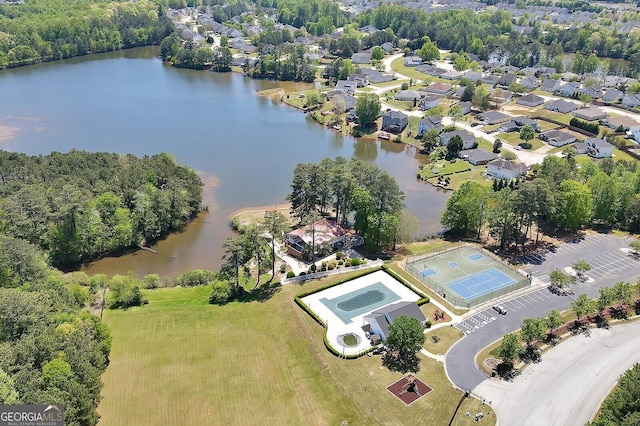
pixel 609 265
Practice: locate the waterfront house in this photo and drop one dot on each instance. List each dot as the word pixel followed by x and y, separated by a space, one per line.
pixel 394 121
pixel 468 139
pixel 476 156
pixel 503 169
pixel 428 123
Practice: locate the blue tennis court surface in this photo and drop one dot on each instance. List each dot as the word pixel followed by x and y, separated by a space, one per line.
pixel 453 265
pixel 428 272
pixel 476 256
pixel 481 283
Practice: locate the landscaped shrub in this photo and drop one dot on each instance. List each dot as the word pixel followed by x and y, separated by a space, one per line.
pixel 526 145
pixel 331 266
pixel 195 277
pixel 221 292
pixel 584 125
pixel 291 274
pixel 340 262
pixel 347 263
pixel 283 268
pixel 427 324
pixel 339 255
pixel 302 274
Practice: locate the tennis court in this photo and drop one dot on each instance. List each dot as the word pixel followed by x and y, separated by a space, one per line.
pixel 466 276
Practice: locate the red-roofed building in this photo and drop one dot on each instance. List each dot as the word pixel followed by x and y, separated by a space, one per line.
pixel 324 232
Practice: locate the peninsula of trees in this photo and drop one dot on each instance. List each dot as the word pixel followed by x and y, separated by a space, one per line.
pixel 79 205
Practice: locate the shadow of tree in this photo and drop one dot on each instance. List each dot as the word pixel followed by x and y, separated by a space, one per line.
pixel 259 294
pixel 402 363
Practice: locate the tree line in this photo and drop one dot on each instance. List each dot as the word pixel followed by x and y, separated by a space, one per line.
pixel 44 30
pixel 79 205
pixel 52 351
pixel 346 188
pixel 561 196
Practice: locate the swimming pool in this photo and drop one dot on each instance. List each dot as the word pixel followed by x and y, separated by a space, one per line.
pixel 357 302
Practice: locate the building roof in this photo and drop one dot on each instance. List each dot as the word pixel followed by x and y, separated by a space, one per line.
pixel 493 116
pixel 531 99
pixel 381 319
pixel 439 87
pixel 598 143
pixel 557 135
pixel 507 165
pixel 590 114
pixel 560 105
pixel 464 135
pixel 623 121
pixel 549 84
pixel 395 114
pixel 476 155
pixel 399 309
pixel 325 231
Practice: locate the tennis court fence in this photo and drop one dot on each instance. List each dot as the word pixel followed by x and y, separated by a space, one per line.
pixel 455 299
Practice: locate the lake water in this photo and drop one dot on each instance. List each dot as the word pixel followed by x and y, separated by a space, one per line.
pixel 244 146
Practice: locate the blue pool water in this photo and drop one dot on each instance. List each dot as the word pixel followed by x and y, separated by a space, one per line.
pixel 358 302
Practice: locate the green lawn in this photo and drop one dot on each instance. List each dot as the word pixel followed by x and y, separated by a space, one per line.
pixel 295 99
pixel 562 118
pixel 514 139
pixel 391 83
pixel 180 361
pixel 444 168
pixel 398 66
pixel 446 337
pixel 455 180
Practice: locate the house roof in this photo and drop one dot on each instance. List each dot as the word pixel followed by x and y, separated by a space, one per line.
pixel 399 309
pixel 475 155
pixel 597 143
pixel 325 231
pixel 557 135
pixel 395 114
pixel 432 121
pixel 506 165
pixel 560 105
pixel 522 120
pixel 612 95
pixel 549 84
pixel 590 114
pixel 622 121
pixel 464 135
pixel 493 115
pixel 439 87
pixel 531 99
pixel 381 319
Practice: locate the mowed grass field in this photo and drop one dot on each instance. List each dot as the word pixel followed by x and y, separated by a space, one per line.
pixel 180 361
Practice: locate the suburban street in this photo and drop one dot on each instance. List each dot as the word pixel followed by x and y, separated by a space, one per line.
pixel 483 326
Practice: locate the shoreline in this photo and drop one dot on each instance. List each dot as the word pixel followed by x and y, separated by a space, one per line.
pixel 256 209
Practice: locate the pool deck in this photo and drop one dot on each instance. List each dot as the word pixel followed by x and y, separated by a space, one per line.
pixel 335 326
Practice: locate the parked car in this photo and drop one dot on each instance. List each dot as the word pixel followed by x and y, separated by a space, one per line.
pixel 517 147
pixel 500 309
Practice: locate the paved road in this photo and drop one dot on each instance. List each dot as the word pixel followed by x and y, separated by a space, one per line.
pixel 567 386
pixel 609 263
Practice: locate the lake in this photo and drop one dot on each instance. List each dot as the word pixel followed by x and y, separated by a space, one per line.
pixel 244 146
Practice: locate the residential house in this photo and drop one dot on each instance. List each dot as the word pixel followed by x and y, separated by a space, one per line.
pixel 493 117
pixel 580 147
pixel 631 100
pixel 428 102
pixel 412 61
pixel 361 79
pixel 491 80
pixel 522 121
pixel 530 83
pixel 561 106
pixel 500 96
pixel 599 148
pixel 571 88
pixel 473 76
pixel 394 121
pixel 509 126
pixel 557 137
pixel 530 100
pixel 439 88
pixel 593 91
pixel 612 95
pixel 545 72
pixel 503 169
pixel 623 121
pixel 528 71
pixel 380 319
pixel 361 58
pixel 326 232
pixel 477 157
pixel 590 114
pixel 466 107
pixel 349 100
pixel 387 47
pixel 468 139
pixel 407 95
pixel 550 85
pixel 347 86
pixel 376 76
pixel 428 123
pixel 451 75
pixel 635 133
pixel 506 79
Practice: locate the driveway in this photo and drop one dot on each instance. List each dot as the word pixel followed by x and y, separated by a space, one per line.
pixel 609 263
pixel 567 386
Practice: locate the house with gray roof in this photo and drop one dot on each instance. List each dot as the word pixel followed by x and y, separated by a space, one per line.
pixel 491 80
pixel 530 83
pixel 394 121
pixel 429 123
pixel 376 76
pixel 493 117
pixel 599 148
pixel 557 137
pixel 380 319
pixel 476 156
pixel 361 79
pixel 530 100
pixel 407 95
pixel 451 75
pixel 412 61
pixel 349 100
pixel 439 88
pixel 361 58
pixel 571 88
pixel 468 139
pixel 550 85
pixel 612 95
pixel 503 169
pixel 347 86
pixel 428 101
pixel 561 106
pixel 506 79
pixel 387 47
pixel 621 121
pixel 590 114
pixel 631 100
pixel 473 76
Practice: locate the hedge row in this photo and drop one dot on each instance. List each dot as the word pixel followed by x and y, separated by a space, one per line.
pixel 584 125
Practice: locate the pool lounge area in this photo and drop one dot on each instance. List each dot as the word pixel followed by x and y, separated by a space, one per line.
pixel 343 307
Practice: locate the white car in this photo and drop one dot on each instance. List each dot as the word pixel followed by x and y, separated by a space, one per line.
pixel 517 147
pixel 500 309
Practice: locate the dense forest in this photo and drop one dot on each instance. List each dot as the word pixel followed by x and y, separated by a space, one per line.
pixel 622 406
pixel 81 205
pixel 44 30
pixel 561 197
pixel 52 351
